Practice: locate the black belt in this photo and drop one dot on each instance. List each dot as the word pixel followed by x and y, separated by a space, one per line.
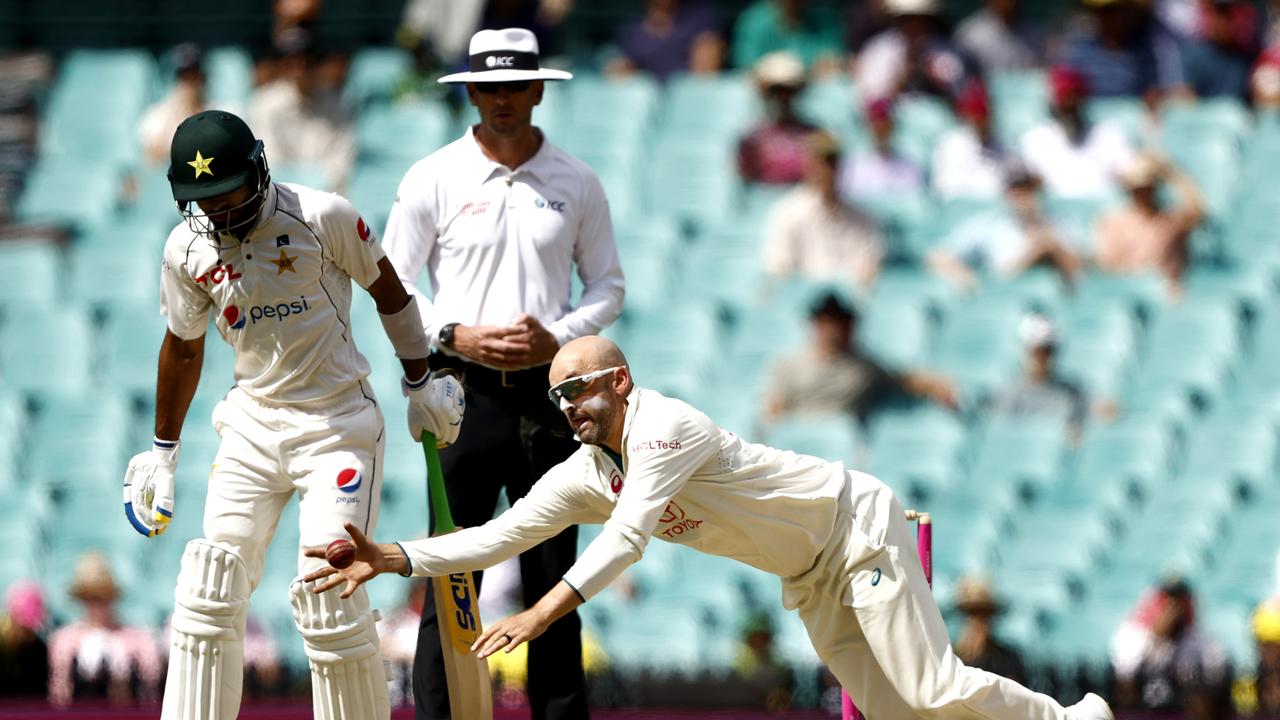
pixel 479 376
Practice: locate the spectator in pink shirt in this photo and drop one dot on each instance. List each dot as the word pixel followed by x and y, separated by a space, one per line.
pixel 1144 235
pixel 98 656
pixel 775 152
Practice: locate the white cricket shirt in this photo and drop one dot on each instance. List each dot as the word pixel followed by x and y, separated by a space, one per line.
pixel 282 297
pixel 498 242
pixel 685 481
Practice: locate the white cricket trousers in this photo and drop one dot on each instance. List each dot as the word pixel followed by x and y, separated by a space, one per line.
pixel 329 453
pixel 872 619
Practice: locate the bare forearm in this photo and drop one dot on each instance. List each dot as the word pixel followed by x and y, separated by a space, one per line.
pixel 177 376
pixel 559 601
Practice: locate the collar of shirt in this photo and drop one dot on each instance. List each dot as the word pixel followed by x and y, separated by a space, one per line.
pixel 538 166
pixel 628 418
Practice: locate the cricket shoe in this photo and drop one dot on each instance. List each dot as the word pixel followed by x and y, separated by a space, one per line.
pixel 1091 707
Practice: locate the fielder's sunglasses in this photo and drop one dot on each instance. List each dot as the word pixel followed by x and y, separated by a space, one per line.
pixel 569 389
pixel 512 86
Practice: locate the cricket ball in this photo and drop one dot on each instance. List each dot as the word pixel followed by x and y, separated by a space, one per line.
pixel 340 553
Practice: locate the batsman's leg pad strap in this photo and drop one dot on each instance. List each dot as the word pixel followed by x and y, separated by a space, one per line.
pixel 206 653
pixel 348 679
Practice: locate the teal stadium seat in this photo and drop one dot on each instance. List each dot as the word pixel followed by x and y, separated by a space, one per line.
pixel 830 437
pixel 919 453
pixel 95 105
pixel 106 272
pixel 374 73
pixel 33 272
pixel 46 349
pixel 80 192
pixel 896 333
pixel 406 132
pixel 229 77
pixel 1025 452
pixel 695 182
pixel 630 103
pixel 978 347
pixel 706 107
pixel 131 335
pixel 1132 454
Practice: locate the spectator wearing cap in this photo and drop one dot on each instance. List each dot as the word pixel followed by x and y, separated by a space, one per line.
pixel 1001 38
pixel 770 681
pixel 1074 158
pixel 805 29
pixel 1264 81
pixel 773 153
pixel 880 171
pixel 1163 661
pixel 1042 393
pixel 1221 51
pixel 1143 235
pixel 1265 624
pixel 1005 241
pixel 300 115
pixel 912 56
pixel 968 160
pixel 186 98
pixel 832 374
pixel 97 655
pixel 812 233
pixel 977 644
pixel 24 656
pixel 672 37
pixel 1126 52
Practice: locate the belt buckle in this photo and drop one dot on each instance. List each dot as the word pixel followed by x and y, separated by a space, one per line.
pixel 506 384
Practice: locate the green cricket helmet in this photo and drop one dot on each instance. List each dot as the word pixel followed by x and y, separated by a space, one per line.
pixel 214 153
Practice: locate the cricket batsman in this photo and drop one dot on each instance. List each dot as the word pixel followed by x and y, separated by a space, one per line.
pixel 274 263
pixel 651 466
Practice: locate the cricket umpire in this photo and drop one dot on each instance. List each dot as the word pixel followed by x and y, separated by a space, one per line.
pixel 500 218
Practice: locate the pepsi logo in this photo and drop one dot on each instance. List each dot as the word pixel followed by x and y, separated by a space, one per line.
pixel 349 480
pixel 233 316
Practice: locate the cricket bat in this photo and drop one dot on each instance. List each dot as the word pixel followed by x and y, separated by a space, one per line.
pixel 457 611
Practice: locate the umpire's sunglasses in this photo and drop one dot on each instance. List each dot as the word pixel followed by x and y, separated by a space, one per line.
pixel 571 388
pixel 512 86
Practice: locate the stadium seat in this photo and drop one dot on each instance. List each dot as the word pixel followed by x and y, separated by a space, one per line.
pixel 33 272
pixel 109 273
pixel 45 349
pixel 405 132
pixel 896 333
pixel 131 336
pixel 978 347
pixel 706 106
pixel 80 192
pixel 229 73
pixel 95 105
pixel 374 73
pixel 697 183
pixel 1024 451
pixel 918 452
pixel 830 437
pixel 1133 453
pixel 631 103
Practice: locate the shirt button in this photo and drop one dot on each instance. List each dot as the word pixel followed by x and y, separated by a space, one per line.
pixel 248 257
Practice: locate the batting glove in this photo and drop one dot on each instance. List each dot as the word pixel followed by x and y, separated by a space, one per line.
pixel 148 487
pixel 436 404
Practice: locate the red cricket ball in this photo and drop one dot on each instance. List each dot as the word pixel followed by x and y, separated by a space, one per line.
pixel 340 553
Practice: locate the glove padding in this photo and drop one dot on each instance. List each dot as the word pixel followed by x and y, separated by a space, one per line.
pixel 436 404
pixel 148 488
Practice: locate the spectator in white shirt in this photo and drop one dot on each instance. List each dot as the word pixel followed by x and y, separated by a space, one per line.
pixel 500 218
pixel 881 170
pixel 968 161
pixel 1004 242
pixel 1074 158
pixel 1001 39
pixel 913 56
pixel 155 130
pixel 813 233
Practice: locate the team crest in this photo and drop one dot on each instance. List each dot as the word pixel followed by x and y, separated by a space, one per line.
pixel 201 164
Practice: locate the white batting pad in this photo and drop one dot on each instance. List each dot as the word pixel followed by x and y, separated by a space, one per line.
pixel 348 681
pixel 206 645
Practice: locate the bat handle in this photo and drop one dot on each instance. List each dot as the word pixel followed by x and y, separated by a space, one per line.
pixel 435 485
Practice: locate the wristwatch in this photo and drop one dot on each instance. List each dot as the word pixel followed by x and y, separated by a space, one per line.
pixel 446 335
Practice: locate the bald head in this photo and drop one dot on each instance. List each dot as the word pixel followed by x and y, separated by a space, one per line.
pixel 585 355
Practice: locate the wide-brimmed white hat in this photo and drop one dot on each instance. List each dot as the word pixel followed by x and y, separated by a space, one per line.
pixel 506 55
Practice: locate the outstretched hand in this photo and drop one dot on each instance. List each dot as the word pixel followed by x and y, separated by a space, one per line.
pixel 508 633
pixel 371 561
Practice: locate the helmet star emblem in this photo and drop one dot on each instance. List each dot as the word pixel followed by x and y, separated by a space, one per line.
pixel 201 164
pixel 284 263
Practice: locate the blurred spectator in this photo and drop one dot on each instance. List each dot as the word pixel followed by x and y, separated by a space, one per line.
pixel 300 115
pixel 864 21
pixel 1126 52
pixel 1264 80
pixel 774 152
pixel 98 656
pixel 913 56
pixel 1001 39
pixel 832 375
pixel 758 665
pixel 1162 661
pixel 262 676
pixel 1218 58
pixel 1074 158
pixel 881 170
pixel 1144 236
pixel 814 234
pixel 1266 632
pixel 968 159
pixel 673 37
pixel 1042 393
pixel 155 130
pixel 810 33
pixel 24 656
pixel 289 15
pixel 1005 241
pixel 977 644
pixel 398 634
pixel 545 18
pixel 443 26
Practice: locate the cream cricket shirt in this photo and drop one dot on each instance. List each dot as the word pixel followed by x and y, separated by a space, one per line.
pixel 686 481
pixel 498 242
pixel 282 297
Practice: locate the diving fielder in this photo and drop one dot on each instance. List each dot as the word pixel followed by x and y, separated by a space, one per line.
pixel 652 466
pixel 274 263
